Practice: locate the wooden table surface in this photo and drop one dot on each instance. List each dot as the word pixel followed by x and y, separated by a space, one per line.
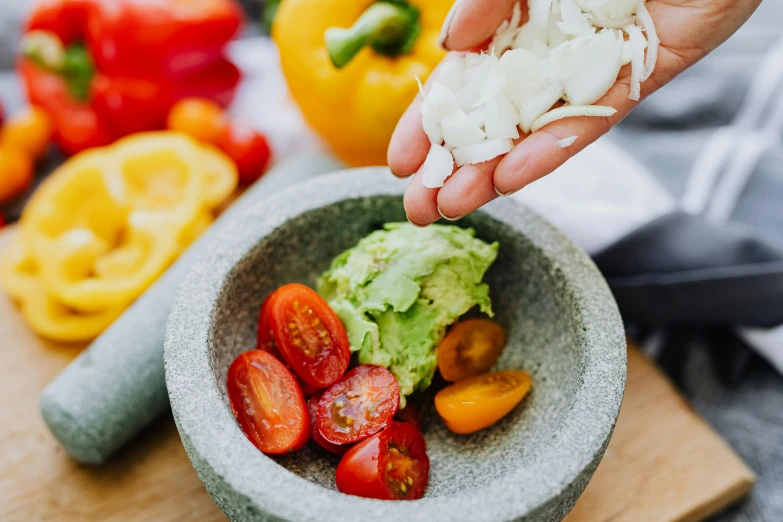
pixel 664 463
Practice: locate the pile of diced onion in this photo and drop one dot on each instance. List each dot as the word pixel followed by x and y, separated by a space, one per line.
pixel 557 65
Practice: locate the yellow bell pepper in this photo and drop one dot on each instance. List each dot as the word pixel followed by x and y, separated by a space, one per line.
pixel 350 66
pixel 46 315
pixel 106 224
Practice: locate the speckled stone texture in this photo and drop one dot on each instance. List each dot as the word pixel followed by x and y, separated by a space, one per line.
pixel 564 328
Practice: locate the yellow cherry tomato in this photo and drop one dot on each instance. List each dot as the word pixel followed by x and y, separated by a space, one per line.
pixel 470 348
pixel 200 118
pixel 29 130
pixel 16 172
pixel 479 402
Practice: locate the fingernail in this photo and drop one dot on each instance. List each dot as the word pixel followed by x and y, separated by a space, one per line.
pixel 444 32
pixel 447 218
pixel 416 224
pixel 502 194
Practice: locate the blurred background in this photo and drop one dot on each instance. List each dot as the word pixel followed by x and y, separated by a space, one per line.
pixel 709 147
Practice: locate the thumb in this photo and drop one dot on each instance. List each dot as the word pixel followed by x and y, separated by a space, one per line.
pixel 471 22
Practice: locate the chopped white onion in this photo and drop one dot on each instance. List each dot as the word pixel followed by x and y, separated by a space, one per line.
pixel 431 125
pixel 569 50
pixel 440 99
pixel 566 142
pixel 437 167
pixel 574 20
pixel 523 75
pixel 612 9
pixel 482 151
pixel 452 74
pixel 645 20
pixel 459 130
pixel 476 78
pixel 535 106
pixel 478 115
pixel 636 40
pixel 528 34
pixel 494 84
pixel 612 23
pixel 502 118
pixel 571 111
pixel 539 11
pixel 604 55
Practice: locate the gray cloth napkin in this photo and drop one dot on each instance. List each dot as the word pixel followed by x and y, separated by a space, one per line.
pixel 671 133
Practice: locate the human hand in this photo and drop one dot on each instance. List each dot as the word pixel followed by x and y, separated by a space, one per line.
pixel 688 30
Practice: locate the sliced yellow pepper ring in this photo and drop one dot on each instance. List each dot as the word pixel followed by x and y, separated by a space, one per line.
pixel 18 271
pixel 46 316
pixel 106 224
pixel 221 177
pixel 164 173
pixel 76 196
pixel 88 274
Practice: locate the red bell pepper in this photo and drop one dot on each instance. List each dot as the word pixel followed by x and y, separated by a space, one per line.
pixel 105 69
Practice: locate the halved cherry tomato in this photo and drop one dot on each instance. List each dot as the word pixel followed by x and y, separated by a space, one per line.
pixel 470 348
pixel 410 415
pixel 337 449
pixel 266 342
pixel 248 148
pixel 478 402
pixel 267 402
pixel 361 404
pixel 266 338
pixel 309 336
pixel 392 465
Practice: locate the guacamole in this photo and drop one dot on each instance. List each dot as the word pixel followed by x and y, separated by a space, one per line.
pixel 398 290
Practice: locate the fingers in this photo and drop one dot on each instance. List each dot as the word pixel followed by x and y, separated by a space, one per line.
pixel 420 202
pixel 471 22
pixel 538 154
pixel 468 189
pixel 409 144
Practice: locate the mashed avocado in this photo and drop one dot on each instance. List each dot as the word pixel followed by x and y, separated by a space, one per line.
pixel 398 290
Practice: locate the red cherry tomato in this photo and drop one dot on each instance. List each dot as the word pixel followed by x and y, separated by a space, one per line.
pixel 248 148
pixel 361 404
pixel 337 449
pixel 267 402
pixel 392 465
pixel 308 335
pixel 410 415
pixel 266 342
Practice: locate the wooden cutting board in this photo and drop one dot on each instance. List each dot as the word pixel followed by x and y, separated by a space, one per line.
pixel 664 463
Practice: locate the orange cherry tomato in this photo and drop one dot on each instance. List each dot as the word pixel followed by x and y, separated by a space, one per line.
pixel 29 130
pixel 248 148
pixel 479 402
pixel 17 170
pixel 267 402
pixel 470 348
pixel 200 118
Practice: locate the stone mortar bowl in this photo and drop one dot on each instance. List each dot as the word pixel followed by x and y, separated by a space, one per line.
pixel 563 328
